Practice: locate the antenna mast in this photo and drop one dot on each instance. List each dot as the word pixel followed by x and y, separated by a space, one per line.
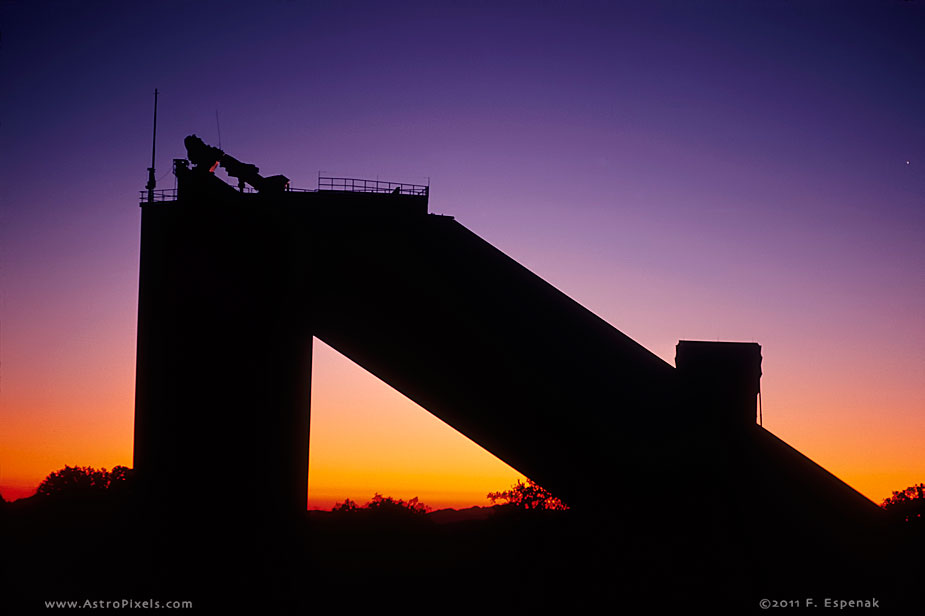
pixel 151 181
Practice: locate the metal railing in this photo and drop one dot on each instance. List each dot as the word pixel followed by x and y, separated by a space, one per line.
pixel 324 183
pixel 371 186
pixel 158 194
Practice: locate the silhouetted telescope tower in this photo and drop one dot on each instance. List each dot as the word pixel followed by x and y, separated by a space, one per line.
pixel 236 281
pixel 208 157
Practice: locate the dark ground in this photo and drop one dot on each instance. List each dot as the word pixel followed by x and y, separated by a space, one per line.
pixel 106 549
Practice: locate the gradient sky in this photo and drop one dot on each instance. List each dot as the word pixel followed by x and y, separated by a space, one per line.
pixel 748 171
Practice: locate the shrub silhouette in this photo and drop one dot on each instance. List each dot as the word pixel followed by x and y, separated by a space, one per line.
pixel 908 505
pixel 347 506
pixel 387 504
pixel 528 496
pixel 383 506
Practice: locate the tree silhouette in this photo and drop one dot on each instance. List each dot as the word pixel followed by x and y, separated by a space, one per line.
pixel 121 480
pixel 345 507
pixel 384 506
pixel 85 481
pixel 387 504
pixel 908 505
pixel 528 496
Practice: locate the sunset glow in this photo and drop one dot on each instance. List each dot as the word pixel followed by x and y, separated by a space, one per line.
pixel 741 174
pixel 368 438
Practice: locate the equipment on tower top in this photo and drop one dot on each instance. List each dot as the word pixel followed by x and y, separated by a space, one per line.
pixel 207 157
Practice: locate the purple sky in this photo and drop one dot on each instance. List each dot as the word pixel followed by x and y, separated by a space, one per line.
pixel 735 171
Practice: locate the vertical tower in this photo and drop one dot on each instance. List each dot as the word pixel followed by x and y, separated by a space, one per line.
pixel 224 361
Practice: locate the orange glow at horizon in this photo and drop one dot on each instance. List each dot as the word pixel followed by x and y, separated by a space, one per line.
pixel 367 438
pixel 67 400
pixel 75 408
